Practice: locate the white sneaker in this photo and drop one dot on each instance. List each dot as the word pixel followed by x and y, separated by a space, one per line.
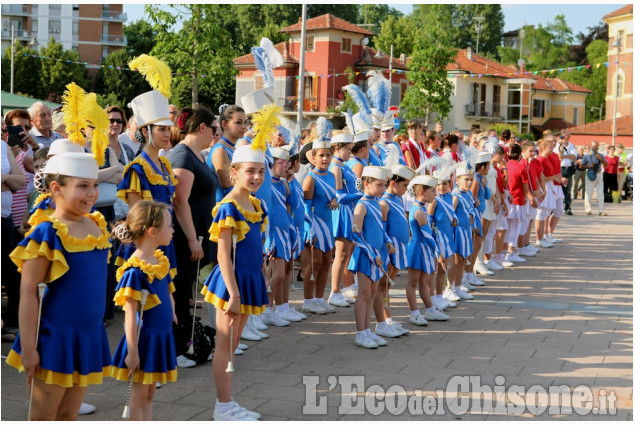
pixel 450 295
pixel 242 346
pixel 503 262
pixel 184 362
pixel 348 299
pixel 533 248
pixel 460 291
pixel 384 329
pixel 238 352
pixel 252 327
pixel 337 299
pixel 322 303
pixel 236 413
pixel 553 239
pixel 297 313
pixel 515 258
pixel 439 304
pixel 449 303
pixel 158 384
pixel 351 291
pixel 377 339
pixel 493 265
pixel 273 319
pixel 544 243
pixel 257 322
pixel 248 332
pixel 467 286
pixel 87 409
pixel 473 280
pixel 435 315
pixel 288 315
pixel 481 269
pixel 399 328
pixel 253 414
pixel 364 341
pixel 311 306
pixel 418 320
pixel 526 252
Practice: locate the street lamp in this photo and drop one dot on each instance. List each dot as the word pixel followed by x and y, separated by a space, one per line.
pixel 380 55
pixel 595 108
pixel 521 34
pixel 12 55
pixel 617 45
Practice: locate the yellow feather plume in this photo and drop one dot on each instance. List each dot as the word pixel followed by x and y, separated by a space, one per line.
pixel 97 118
pixel 265 122
pixel 155 71
pixel 74 121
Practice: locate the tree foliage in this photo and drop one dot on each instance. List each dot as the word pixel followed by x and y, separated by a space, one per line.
pixel 56 74
pixel 374 15
pixel 577 52
pixel 140 35
pixel 26 71
pixel 547 46
pixel 123 85
pixel 346 11
pixel 492 26
pixel 398 32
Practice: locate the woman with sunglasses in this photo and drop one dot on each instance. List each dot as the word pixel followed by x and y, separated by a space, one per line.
pixel 118 123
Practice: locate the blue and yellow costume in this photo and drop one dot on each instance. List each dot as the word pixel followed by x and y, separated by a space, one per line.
pixel 73 345
pixel 396 226
pixel 156 346
pixel 347 197
pixel 143 178
pixel 220 192
pixel 279 243
pixel 462 232
pixel 299 218
pixel 249 227
pixel 320 225
pixel 43 205
pixel 442 219
pixel 422 248
pixel 363 258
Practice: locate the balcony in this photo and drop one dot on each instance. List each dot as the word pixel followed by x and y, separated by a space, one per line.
pixel 114 40
pixel 15 9
pixel 113 15
pixel 19 34
pixel 483 111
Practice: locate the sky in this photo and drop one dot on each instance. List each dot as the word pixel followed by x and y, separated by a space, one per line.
pixel 579 16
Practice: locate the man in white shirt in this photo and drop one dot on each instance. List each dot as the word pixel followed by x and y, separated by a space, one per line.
pixel 567 153
pixel 127 137
pixel 42 122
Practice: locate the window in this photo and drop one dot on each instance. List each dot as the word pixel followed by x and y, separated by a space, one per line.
pixel 512 43
pixel 55 9
pixel 620 37
pixel 104 30
pixel 346 45
pixel 75 27
pixel 104 53
pixel 54 27
pixel 575 116
pixel 548 105
pixel 34 24
pixel 619 89
pixel 496 100
pixel 538 110
pixel 309 45
pixel 259 82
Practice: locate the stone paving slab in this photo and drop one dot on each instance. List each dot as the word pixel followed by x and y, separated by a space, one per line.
pixel 563 318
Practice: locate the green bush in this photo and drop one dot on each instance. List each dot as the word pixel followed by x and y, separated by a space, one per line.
pixel 526 137
pixel 500 126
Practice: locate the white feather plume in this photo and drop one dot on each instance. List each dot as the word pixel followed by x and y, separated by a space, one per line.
pixel 349 121
pixel 392 156
pixel 434 162
pixel 360 124
pixel 469 156
pixel 445 172
pixel 322 128
pixel 379 90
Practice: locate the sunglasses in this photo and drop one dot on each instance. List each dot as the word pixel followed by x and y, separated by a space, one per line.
pixel 116 121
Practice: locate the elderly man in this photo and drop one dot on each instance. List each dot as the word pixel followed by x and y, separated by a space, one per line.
pixel 127 137
pixel 174 110
pixel 567 153
pixel 594 179
pixel 42 122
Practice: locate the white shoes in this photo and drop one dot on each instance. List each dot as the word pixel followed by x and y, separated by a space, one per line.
pixel 312 306
pixel 435 315
pixel 473 280
pixel 257 321
pixel 364 341
pixel 418 320
pixel 297 313
pixel 238 351
pixel 553 239
pixel 480 268
pixel 236 413
pixel 242 346
pixel 289 316
pixel 87 409
pixel 251 322
pixel 322 303
pixel 493 265
pixel 384 329
pixel 184 362
pixel 512 257
pixel 377 339
pixel 543 243
pixel 526 252
pixel 450 295
pixel 337 299
pixel 273 319
pixel 399 328
pixel 439 303
pixel 501 260
pixel 460 291
pixel 350 292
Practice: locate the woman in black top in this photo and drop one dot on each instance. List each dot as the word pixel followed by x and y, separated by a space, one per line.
pixel 193 203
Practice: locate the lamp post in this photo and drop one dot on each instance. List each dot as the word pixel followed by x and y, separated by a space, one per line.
pixel 617 45
pixel 380 55
pixel 521 34
pixel 595 108
pixel 12 54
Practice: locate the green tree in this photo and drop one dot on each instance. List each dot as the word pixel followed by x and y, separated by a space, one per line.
pixel 398 32
pixel 140 35
pixel 431 89
pixel 348 12
pixel 348 104
pixel 441 17
pixel 548 45
pixel 123 85
pixel 26 71
pixel 492 24
pixel 508 55
pixel 200 54
pixel 59 69
pixel 373 15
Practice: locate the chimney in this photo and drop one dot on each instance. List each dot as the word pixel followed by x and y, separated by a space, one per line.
pixel 403 57
pixel 328 20
pixel 285 52
pixel 468 53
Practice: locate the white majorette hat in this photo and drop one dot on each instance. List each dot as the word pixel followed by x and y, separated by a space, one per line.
pixel 378 118
pixel 64 145
pixel 442 176
pixel 342 139
pixel 254 101
pixel 375 172
pixel 462 170
pixel 403 171
pixel 424 180
pixel 388 122
pixel 483 157
pixel 73 164
pixel 280 153
pixel 151 108
pixel 246 153
pixel 321 144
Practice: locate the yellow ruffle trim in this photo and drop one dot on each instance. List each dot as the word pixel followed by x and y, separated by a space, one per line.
pixel 135 187
pixel 220 303
pixel 146 378
pixel 158 271
pixel 151 175
pixel 128 293
pixel 36 218
pixel 42 197
pixel 90 242
pixel 32 250
pixel 240 227
pixel 171 288
pixel 66 380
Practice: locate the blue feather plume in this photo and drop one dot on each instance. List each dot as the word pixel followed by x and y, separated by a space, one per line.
pixel 329 128
pixel 348 116
pixel 379 91
pixel 264 65
pixel 362 102
pixel 289 135
pixel 322 128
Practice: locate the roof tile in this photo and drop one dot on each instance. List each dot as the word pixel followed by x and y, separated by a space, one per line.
pixel 625 10
pixel 624 127
pixel 327 21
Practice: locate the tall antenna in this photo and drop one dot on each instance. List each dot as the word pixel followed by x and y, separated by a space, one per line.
pixel 478 27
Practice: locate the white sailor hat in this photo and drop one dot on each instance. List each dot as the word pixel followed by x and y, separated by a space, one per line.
pixel 246 153
pixel 321 144
pixel 424 180
pixel 483 157
pixel 380 173
pixel 64 145
pixel 151 108
pixel 342 139
pixel 280 153
pixel 253 102
pixel 73 164
pixel 462 170
pixel 403 171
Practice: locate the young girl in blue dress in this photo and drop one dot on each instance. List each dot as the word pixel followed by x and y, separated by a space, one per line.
pixel 347 196
pixel 67 249
pixel 396 225
pixel 462 201
pixel 423 253
pixel 236 285
pixel 481 193
pixel 152 357
pixel 370 255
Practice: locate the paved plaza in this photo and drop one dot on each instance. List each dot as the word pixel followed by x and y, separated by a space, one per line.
pixel 562 319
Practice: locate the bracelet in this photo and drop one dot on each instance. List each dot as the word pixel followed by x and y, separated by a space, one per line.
pixel 237 297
